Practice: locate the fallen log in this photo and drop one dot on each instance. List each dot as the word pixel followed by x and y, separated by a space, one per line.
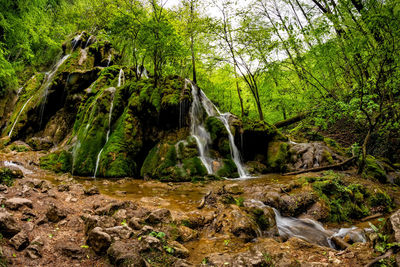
pixel 384 256
pixel 377 215
pixel 339 242
pixel 317 169
pixel 291 120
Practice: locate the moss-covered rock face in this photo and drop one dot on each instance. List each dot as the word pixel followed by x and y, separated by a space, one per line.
pixel 60 161
pixel 346 202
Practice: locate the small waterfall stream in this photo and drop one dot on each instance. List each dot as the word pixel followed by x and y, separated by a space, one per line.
pixel 19 114
pixel 201 102
pixel 121 81
pixel 50 75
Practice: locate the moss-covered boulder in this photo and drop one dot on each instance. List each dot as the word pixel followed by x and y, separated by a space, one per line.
pixel 349 201
pixel 219 135
pixel 277 156
pixel 374 169
pixel 60 161
pixel 7 175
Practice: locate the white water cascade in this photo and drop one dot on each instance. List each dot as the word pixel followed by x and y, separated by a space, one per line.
pixel 47 84
pixel 203 139
pixel 19 114
pixel 121 81
pixel 310 230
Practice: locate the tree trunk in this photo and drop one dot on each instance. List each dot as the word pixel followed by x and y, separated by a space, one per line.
pixel 193 59
pixel 238 91
pixel 364 152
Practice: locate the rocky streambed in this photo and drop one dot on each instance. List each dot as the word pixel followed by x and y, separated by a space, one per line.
pixel 48 219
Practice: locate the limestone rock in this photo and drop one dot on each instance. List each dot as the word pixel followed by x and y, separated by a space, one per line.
pixel 8 225
pixel 98 240
pixel 20 241
pixel 34 250
pixel 125 253
pixel 158 216
pixel 17 202
pixel 55 214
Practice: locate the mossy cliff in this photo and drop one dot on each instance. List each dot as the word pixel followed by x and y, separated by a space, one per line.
pixel 101 114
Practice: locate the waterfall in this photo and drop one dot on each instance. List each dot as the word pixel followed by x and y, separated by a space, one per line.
pixel 19 114
pixel 88 40
pixel 198 131
pixel 200 102
pixel 76 40
pixel 47 84
pixel 121 81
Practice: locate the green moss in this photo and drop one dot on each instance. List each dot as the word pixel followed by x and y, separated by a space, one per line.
pixel 374 170
pixel 260 218
pixel 194 167
pixel 19 148
pixel 228 169
pixel 348 202
pixel 60 161
pixel 277 156
pixel 7 176
pixel 216 128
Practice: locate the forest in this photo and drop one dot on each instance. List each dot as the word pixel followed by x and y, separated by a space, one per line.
pixel 199 132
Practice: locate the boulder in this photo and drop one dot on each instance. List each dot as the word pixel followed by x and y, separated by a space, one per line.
pixel 178 249
pixel 186 234
pixel 119 232
pixel 34 250
pixel 8 225
pixel 125 253
pixel 17 202
pixel 92 191
pixel 98 240
pixel 395 224
pixel 20 241
pixel 70 250
pixel 55 214
pixel 233 220
pixel 158 216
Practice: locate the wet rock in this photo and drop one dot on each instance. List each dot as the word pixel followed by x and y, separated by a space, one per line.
pixel 147 229
pixel 294 205
pixel 236 221
pixel 16 203
pixel 234 189
pixel 319 211
pixel 93 221
pixel 135 223
pixel 150 243
pixel 63 188
pixel 55 214
pixel 186 234
pixel 20 241
pixel 125 254
pixel 70 250
pixel 40 143
pixel 394 223
pixel 8 225
pixel 249 258
pixel 34 250
pixel 119 232
pixel 92 191
pixel 110 209
pixel 179 250
pixel 98 240
pixel 158 216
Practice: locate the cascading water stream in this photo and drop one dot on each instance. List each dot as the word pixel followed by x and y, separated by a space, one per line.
pixel 109 60
pixel 47 84
pixel 309 230
pixel 198 130
pixel 121 81
pixel 200 101
pixel 19 114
